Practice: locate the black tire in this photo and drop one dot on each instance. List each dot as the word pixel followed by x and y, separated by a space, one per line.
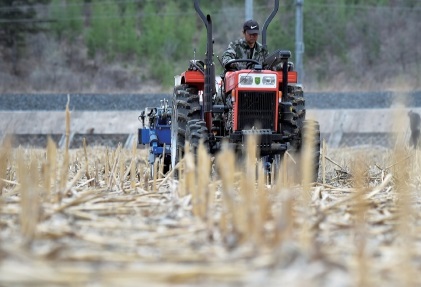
pixel 185 107
pixel 197 131
pixel 292 124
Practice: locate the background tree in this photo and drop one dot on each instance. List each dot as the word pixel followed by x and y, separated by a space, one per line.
pixel 17 18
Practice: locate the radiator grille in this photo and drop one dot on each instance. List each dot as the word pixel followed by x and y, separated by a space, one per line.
pixel 256 109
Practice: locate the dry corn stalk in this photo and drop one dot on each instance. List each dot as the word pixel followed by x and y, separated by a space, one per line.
pixel 203 173
pixel 401 166
pixel 5 151
pixel 30 201
pixel 361 207
pixel 133 167
pixel 306 232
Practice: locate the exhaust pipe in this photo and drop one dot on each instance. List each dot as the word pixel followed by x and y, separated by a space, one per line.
pixel 209 89
pixel 267 22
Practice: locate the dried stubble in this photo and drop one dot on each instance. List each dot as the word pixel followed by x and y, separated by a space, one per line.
pixel 85 153
pixel 189 177
pixel 323 160
pixel 401 163
pixel 225 162
pixel 360 226
pixel 247 214
pixel 133 167
pixel 360 210
pixel 50 168
pixel 307 232
pixel 203 193
pixel 253 214
pixel 28 177
pixel 64 167
pixel 5 151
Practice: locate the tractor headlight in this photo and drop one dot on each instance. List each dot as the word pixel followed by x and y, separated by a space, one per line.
pixel 268 80
pixel 246 80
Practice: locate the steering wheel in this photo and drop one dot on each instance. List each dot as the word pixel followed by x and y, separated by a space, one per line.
pixel 250 63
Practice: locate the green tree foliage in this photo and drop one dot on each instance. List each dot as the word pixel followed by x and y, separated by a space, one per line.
pixel 281 31
pixel 325 21
pixel 127 40
pixel 155 32
pixel 161 35
pixel 18 17
pixel 67 17
pixel 99 36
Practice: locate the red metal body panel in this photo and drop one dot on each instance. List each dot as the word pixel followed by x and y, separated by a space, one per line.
pixel 292 77
pixel 234 94
pixel 231 80
pixel 194 78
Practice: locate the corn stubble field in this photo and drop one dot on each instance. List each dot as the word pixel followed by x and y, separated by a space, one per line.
pixel 93 217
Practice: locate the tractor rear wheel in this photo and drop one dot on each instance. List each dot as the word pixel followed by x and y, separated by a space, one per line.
pixel 185 107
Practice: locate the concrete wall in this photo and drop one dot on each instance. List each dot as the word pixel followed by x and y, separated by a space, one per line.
pixel 334 124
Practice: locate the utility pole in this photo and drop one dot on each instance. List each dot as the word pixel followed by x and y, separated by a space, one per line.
pixel 299 42
pixel 249 9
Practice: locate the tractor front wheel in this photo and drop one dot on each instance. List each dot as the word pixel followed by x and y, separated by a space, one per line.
pixel 197 131
pixel 292 121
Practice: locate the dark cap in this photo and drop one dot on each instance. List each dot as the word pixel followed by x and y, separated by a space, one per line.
pixel 251 27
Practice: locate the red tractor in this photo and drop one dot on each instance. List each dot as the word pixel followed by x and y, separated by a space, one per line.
pixel 259 100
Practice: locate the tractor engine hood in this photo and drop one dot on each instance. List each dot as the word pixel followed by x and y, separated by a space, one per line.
pixel 251 79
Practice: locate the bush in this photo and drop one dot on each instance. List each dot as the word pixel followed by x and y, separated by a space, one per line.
pixel 67 18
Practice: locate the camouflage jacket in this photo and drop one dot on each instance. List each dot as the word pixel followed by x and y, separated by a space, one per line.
pixel 239 49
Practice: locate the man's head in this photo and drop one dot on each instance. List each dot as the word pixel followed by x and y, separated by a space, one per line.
pixel 251 32
pixel 251 27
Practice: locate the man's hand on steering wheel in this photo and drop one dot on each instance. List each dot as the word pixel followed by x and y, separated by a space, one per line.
pixel 232 65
